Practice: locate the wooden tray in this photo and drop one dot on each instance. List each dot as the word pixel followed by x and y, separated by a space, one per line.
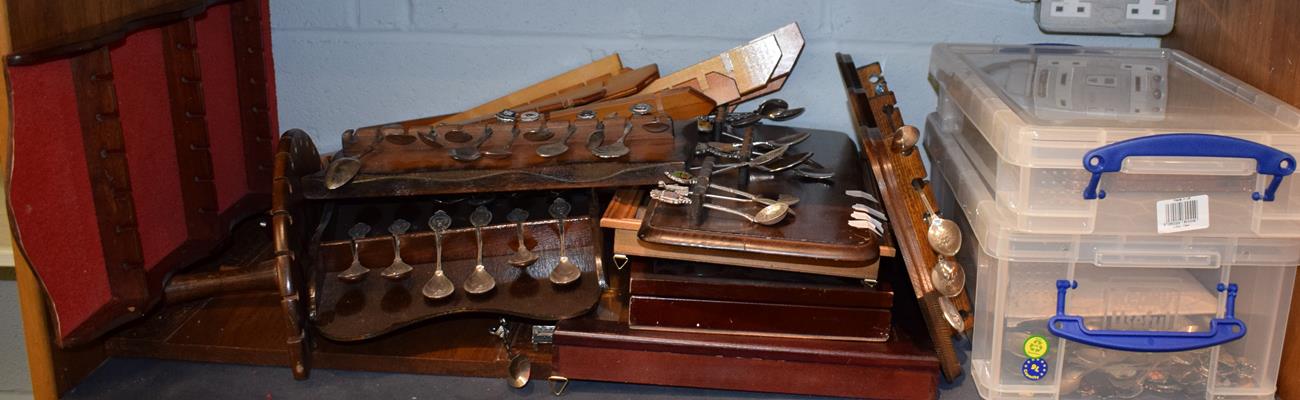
pixel 601 347
pixel 628 208
pixel 374 306
pixel 708 298
pixel 417 168
pixel 819 232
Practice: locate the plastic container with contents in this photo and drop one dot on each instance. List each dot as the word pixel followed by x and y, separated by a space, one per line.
pixel 1152 139
pixel 1113 316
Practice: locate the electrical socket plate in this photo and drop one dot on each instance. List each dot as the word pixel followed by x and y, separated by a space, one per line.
pixel 1118 17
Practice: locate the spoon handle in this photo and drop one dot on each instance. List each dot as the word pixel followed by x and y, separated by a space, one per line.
pixel 356 247
pixel 520 231
pixel 397 248
pixel 561 222
pixel 478 236
pixel 734 191
pixel 437 250
pixel 712 206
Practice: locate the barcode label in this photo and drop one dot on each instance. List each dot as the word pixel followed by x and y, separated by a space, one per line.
pixel 1183 214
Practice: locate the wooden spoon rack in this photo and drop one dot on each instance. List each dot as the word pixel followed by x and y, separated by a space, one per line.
pixel 406 162
pixel 373 306
pixel 876 118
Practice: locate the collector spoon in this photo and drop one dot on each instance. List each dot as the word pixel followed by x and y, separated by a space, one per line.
pixel 685 178
pixel 523 257
pixel 439 286
pixel 565 272
pixel 356 271
pixel 769 215
pixel 655 126
pixel 399 269
pixel 539 134
pixel 480 281
pixel 943 234
pixel 557 148
pixel 616 149
pixel 596 137
pixel 503 151
pixel 947 277
pixel 470 152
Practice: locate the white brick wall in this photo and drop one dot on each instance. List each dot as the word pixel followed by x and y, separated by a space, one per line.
pixel 344 63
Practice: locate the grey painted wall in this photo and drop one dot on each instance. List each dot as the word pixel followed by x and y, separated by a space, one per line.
pixel 344 63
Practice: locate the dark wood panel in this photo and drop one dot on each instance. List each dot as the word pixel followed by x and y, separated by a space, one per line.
pixel 185 88
pixel 110 181
pixel 748 374
pixel 694 280
pixel 759 319
pixel 246 22
pixel 46 29
pixel 1253 41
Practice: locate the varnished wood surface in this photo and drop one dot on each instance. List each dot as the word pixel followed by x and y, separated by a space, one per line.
pixel 604 67
pixel 47 29
pixel 244 329
pixel 602 347
pixel 1253 41
pixel 695 280
pixel 421 168
pixel 628 207
pixel 742 70
pixel 820 231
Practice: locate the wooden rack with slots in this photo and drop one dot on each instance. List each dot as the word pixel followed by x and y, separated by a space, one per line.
pixel 876 118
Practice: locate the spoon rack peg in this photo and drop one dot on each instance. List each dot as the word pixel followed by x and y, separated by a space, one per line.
pixel 904 139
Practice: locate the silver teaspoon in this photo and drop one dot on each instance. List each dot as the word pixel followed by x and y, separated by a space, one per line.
pixel 439 286
pixel 480 281
pixel 565 272
pixel 356 271
pixel 560 147
pixel 399 269
pixel 616 149
pixel 470 152
pixel 523 257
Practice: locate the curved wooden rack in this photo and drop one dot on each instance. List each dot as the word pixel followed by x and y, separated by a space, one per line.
pixel 44 30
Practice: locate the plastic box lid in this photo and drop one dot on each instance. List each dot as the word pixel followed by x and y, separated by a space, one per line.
pixel 996 234
pixel 1045 106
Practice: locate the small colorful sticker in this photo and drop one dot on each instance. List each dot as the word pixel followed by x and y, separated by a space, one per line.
pixel 1036 346
pixel 1034 369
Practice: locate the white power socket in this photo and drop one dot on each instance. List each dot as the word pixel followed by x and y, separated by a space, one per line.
pixel 1121 17
pixel 1071 9
pixel 1148 10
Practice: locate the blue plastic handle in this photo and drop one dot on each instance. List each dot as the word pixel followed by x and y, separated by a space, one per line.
pixel 1110 158
pixel 1222 330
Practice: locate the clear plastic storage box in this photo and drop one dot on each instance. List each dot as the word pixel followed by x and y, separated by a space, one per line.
pixel 1153 139
pixel 1111 316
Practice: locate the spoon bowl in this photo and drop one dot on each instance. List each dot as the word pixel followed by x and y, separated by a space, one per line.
pixel 557 148
pixel 947 277
pixel 565 272
pixel 944 236
pixel 521 369
pixel 772 214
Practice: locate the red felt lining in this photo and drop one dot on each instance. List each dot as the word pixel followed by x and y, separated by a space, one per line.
pixel 221 99
pixel 141 81
pixel 50 194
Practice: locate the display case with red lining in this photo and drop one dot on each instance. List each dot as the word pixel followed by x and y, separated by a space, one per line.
pixel 141 131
